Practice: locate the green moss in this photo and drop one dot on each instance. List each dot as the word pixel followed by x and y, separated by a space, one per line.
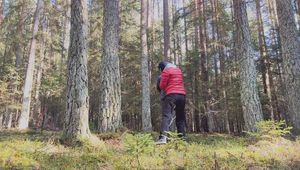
pixel 36 150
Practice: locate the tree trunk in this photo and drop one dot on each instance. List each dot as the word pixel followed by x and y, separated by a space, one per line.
pixel 185 29
pixel 251 105
pixel 19 35
pixel 40 69
pixel 1 120
pixel 66 32
pixel 76 123
pixel 7 119
pixel 196 72
pixel 166 31
pixel 24 117
pixel 146 112
pixel 291 60
pixel 274 26
pixel 203 65
pixel 264 59
pixel 109 119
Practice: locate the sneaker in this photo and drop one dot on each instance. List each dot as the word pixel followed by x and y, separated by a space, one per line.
pixel 182 137
pixel 162 140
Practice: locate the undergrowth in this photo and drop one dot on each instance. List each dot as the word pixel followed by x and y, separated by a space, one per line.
pixel 36 150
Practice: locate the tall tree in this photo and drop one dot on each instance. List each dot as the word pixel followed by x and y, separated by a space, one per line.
pixel 76 123
pixel 291 60
pixel 66 31
pixel 251 105
pixel 166 31
pixel 203 65
pixel 264 60
pixel 196 60
pixel 39 73
pixel 24 116
pixel 19 34
pixel 146 112
pixel 223 75
pixel 109 118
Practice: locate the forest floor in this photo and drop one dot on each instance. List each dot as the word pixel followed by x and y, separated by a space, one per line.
pixel 42 150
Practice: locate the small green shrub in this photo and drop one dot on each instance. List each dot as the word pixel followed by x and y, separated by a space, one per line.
pixel 137 145
pixel 271 129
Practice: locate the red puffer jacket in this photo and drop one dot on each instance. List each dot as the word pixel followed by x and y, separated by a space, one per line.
pixel 172 81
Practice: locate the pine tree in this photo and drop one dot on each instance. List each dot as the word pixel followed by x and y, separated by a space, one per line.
pixel 24 117
pixel 109 118
pixel 251 105
pixel 291 60
pixel 146 112
pixel 76 125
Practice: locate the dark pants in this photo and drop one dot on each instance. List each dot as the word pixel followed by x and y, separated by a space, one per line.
pixel 170 104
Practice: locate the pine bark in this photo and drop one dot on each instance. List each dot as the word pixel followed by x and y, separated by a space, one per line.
pixel 166 31
pixel 76 123
pixel 251 105
pixel 24 116
pixel 109 118
pixel 146 112
pixel 291 60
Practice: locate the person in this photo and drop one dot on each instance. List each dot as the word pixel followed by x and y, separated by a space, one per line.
pixel 171 84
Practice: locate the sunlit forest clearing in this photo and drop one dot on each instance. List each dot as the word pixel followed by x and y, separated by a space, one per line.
pixel 149 84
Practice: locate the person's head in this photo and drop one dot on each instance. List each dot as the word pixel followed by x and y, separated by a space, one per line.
pixel 162 65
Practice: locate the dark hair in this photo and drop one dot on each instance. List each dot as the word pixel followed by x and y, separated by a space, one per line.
pixel 162 65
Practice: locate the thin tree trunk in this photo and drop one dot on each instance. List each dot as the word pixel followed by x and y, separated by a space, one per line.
pixel 264 59
pixel 174 32
pixel 291 60
pixel 185 29
pixel 109 119
pixel 40 69
pixel 166 31
pixel 274 26
pixel 195 60
pixel 7 119
pixel 76 123
pixel 66 34
pixel 223 76
pixel 203 65
pixel 251 105
pixel 24 117
pixel 216 56
pixel 19 35
pixel 146 112
pixel 1 120
pixel 275 47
